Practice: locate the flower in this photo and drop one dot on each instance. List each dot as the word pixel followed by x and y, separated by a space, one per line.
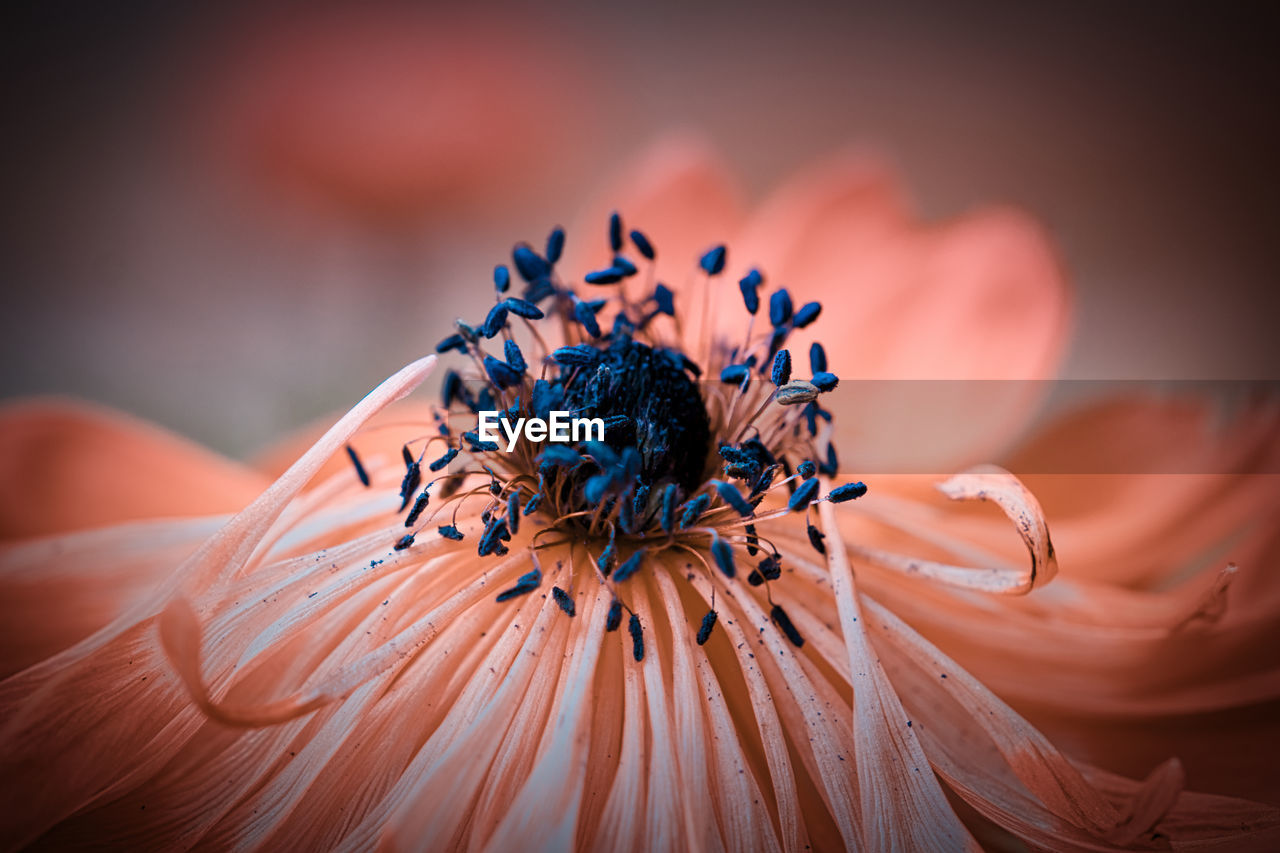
pixel 655 639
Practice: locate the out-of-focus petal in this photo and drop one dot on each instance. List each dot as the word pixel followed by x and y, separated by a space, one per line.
pixel 980 296
pixel 392 112
pixel 54 592
pixel 679 193
pixel 67 465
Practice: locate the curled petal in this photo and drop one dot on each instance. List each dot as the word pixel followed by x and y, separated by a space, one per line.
pixel 986 483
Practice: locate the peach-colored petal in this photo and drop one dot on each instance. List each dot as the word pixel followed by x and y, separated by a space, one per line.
pixel 902 805
pixel 92 750
pixel 1165 483
pixel 986 483
pixel 54 592
pixel 68 465
pixel 679 193
pixel 392 112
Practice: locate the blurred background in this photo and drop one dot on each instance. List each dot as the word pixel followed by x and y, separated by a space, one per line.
pixel 235 218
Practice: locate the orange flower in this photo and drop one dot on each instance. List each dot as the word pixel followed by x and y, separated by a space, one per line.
pixel 311 675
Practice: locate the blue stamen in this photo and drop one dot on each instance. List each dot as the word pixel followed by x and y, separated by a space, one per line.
pixel 523 308
pixel 412 478
pixel 804 495
pixel 784 622
pixel 418 506
pixel 583 314
pixel 515 358
pixel 494 321
pixel 501 278
pixel 564 600
pixel 500 373
pixel 529 263
pixel 824 381
pixel 614 619
pixel 629 568
pixel 781 367
pixel 404 542
pixel 448 531
pixel 575 356
pixel 625 266
pixel 750 287
pixel 612 275
pixel 815 539
pixel 637 637
pixel 807 469
pixel 734 374
pixel 713 261
pixel 670 497
pixel 665 300
pixel 847 492
pixel 779 307
pixel 730 495
pixel 608 557
pixel 807 314
pixel 526 584
pixel 615 232
pixel 642 244
pixel 555 245
pixel 453 342
pixel 694 508
pixel 817 358
pixel 359 466
pixel 444 460
pixel 513 512
pixel 704 631
pixel 723 554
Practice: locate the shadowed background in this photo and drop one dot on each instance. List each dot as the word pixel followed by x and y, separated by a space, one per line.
pixel 233 220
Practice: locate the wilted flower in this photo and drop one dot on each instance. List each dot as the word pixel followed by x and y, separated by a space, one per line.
pixel 648 640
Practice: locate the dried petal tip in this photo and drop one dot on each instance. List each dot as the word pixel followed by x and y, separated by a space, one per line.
pixel 704 631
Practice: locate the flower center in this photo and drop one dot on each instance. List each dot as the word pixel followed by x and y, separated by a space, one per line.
pixel 652 405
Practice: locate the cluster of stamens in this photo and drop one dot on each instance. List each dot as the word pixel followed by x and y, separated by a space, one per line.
pixel 684 464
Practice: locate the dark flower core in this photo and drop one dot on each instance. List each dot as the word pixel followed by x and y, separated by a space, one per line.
pixel 665 418
pixel 685 462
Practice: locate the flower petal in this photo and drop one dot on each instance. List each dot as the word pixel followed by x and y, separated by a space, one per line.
pixel 901 802
pixel 67 465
